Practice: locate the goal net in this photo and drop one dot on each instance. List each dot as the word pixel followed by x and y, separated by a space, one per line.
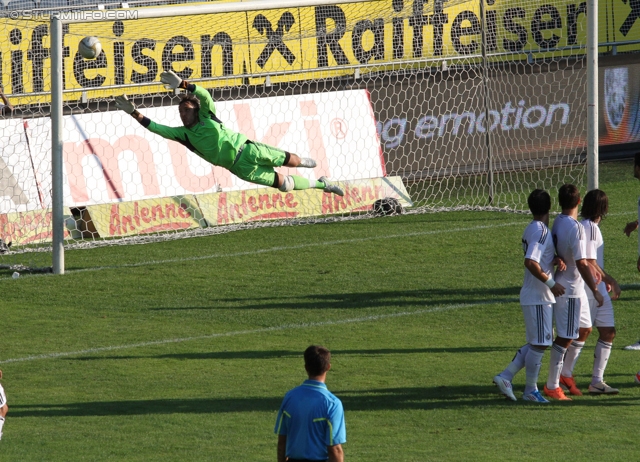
pixel 441 105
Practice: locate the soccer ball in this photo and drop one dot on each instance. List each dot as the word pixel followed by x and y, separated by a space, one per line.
pixel 638 377
pixel 90 47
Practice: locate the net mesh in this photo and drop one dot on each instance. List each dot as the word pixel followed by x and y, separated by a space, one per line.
pixel 442 105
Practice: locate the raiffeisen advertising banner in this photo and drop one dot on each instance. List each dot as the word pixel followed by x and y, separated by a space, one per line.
pixel 325 40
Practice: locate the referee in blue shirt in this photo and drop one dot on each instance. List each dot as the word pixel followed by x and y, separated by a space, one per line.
pixel 310 423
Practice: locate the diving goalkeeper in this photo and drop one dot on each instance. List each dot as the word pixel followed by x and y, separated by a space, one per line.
pixel 204 134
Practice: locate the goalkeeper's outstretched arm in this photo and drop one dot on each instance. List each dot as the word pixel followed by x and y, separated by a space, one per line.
pixel 171 133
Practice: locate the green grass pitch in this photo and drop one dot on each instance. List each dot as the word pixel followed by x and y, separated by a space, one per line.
pixel 183 350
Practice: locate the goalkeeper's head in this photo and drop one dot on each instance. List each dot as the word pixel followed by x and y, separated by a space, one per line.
pixel 189 107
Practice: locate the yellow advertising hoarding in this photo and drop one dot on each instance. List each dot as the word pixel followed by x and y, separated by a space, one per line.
pixel 269 204
pixel 24 228
pixel 146 216
pixel 293 44
pixel 187 212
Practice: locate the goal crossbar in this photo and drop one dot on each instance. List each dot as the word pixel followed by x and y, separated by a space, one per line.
pixel 70 17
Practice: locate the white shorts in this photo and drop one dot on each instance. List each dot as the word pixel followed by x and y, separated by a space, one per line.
pixel 3 397
pixel 603 316
pixel 538 323
pixel 570 314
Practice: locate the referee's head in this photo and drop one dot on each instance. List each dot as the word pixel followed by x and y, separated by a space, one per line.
pixel 317 360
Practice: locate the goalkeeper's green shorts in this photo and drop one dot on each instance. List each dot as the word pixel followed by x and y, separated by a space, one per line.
pixel 256 163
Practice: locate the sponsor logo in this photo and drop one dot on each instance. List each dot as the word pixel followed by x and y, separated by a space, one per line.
pixel 511 116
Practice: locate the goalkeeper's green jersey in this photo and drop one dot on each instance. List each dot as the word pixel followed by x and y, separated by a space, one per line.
pixel 208 138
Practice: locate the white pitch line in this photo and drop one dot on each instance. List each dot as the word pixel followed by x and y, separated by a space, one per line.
pixel 254 331
pixel 293 247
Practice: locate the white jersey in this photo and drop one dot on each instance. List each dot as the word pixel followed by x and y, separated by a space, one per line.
pixel 538 246
pixel 595 251
pixel 569 239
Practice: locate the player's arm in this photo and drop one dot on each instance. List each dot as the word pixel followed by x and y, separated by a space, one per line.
pixel 638 264
pixel 207 107
pixel 579 251
pixel 608 279
pixel 282 448
pixel 584 268
pixel 173 80
pixel 534 268
pixel 559 262
pixel 631 227
pixel 336 454
pixel 170 133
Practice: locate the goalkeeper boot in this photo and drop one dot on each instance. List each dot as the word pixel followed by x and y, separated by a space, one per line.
pixel 307 162
pixel 331 187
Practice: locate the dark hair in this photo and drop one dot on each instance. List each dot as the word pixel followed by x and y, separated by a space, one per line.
pixel 636 159
pixel 595 205
pixel 539 202
pixel 568 196
pixel 317 360
pixel 186 98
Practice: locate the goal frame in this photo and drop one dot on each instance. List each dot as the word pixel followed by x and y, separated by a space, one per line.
pixel 57 102
pixel 58 20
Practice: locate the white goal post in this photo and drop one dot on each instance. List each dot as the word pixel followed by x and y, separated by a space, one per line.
pixel 439 104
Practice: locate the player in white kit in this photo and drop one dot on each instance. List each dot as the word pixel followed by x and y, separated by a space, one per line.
pixel 571 310
pixel 536 298
pixel 595 207
pixel 3 407
pixel 632 226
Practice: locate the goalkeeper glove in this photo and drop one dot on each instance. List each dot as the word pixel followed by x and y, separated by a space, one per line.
pixel 124 104
pixel 171 80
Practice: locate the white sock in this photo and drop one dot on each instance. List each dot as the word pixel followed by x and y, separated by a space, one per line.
pixel 1 425
pixel 573 352
pixel 556 361
pixel 517 363
pixel 600 358
pixel 532 364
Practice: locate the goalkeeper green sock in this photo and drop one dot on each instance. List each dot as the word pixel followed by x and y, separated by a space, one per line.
pixel 301 183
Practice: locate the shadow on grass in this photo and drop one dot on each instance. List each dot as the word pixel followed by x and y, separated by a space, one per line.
pixel 297 354
pixel 428 398
pixel 400 298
